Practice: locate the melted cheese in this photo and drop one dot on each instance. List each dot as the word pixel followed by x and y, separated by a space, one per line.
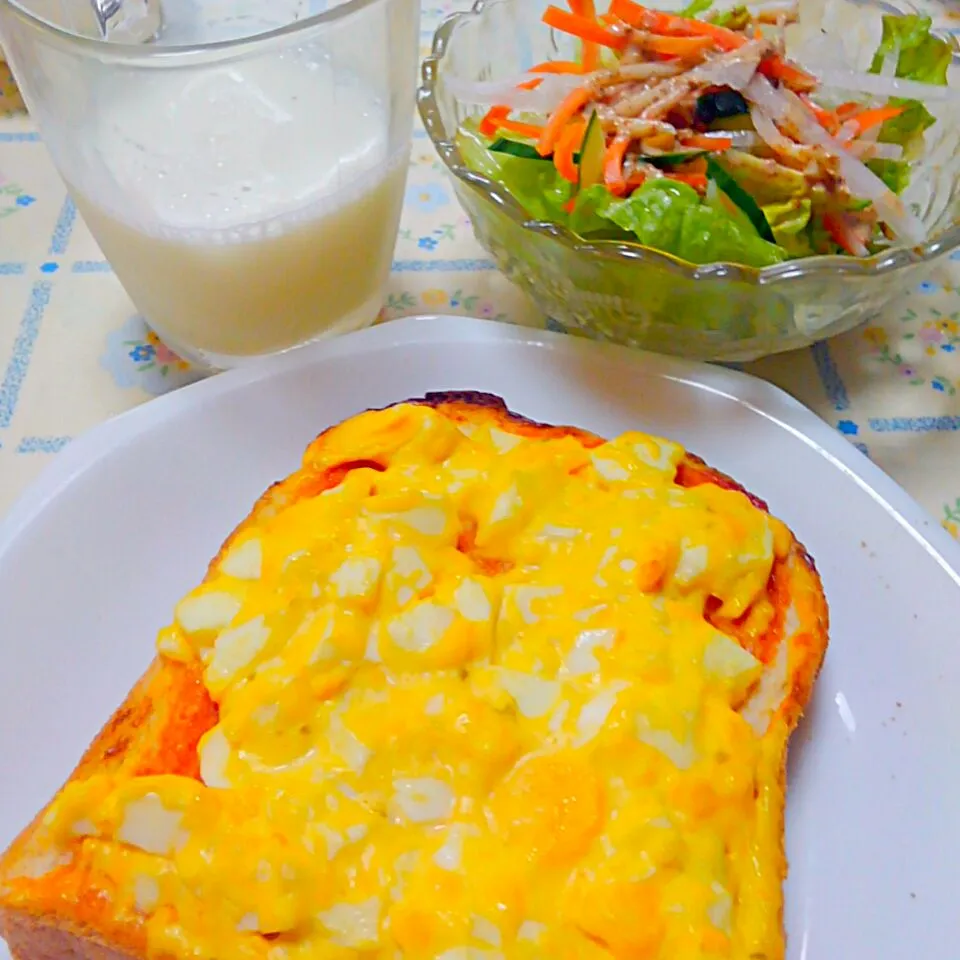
pixel 469 707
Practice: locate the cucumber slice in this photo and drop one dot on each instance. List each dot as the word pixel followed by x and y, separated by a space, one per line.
pixel 590 162
pixel 672 159
pixel 516 148
pixel 729 186
pixel 740 122
pixel 720 202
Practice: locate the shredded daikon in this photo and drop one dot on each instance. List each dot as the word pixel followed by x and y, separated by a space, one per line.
pixel 865 149
pixel 735 69
pixel 769 132
pixel 881 86
pixel 542 99
pixel 781 104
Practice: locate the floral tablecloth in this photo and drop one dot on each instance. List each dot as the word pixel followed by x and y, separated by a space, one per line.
pixel 73 350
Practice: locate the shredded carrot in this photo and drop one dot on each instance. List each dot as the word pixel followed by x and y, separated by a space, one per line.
pixel 643 18
pixel 692 166
pixel 488 125
pixel 584 28
pixel 570 204
pixel 837 235
pixel 590 55
pixel 557 66
pixel 848 109
pixel 568 144
pixel 776 68
pixel 569 107
pixel 869 119
pixel 725 39
pixel 613 176
pixel 842 235
pixel 530 84
pixel 634 15
pixel 683 47
pixel 696 180
pixel 661 141
pixel 716 144
pixel 826 118
pixel 636 180
pixel 531 130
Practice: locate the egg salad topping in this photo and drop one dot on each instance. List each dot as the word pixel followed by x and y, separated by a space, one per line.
pixel 470 708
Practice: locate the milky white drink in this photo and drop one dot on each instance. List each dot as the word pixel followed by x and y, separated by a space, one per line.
pixel 254 206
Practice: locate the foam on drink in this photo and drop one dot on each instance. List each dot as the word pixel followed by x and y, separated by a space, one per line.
pixel 247 207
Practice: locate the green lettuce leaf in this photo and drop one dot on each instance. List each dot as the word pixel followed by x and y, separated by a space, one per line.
pixel 922 57
pixel 696 7
pixel 894 173
pixel 671 217
pixel 789 222
pixel 536 184
pixel 766 180
pixel 707 236
pixel 589 215
pixel 907 129
pixel 663 214
pixel 654 214
pixel 476 155
pixel 735 18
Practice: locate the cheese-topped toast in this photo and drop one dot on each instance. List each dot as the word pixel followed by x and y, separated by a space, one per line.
pixel 463 686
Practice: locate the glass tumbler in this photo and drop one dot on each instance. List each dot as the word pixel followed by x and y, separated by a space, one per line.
pixel 243 169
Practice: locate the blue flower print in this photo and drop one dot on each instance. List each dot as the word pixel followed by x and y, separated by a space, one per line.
pixel 427 197
pixel 427 243
pixel 24 200
pixel 142 353
pixel 137 359
pixel 848 428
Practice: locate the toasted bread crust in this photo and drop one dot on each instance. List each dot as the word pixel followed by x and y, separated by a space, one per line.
pixel 69 913
pixel 30 938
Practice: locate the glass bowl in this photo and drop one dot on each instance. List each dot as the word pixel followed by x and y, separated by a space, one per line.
pixel 634 295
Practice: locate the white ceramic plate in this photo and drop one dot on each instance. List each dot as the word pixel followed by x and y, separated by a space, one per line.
pixel 94 556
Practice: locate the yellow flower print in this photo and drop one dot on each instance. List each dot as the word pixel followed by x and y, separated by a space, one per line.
pixel 165 356
pixel 951 518
pixel 434 298
pixel 876 335
pixel 949 326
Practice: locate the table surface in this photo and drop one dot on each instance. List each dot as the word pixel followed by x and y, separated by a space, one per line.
pixel 73 351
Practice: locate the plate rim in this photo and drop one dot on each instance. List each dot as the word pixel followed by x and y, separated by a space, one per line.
pixel 762 398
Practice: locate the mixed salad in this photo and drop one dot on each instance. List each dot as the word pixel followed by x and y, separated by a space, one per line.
pixel 697 135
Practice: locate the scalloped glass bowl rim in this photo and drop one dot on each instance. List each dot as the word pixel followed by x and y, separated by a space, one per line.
pixel 884 262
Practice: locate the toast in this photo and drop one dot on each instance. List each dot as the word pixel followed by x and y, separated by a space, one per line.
pixel 462 686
